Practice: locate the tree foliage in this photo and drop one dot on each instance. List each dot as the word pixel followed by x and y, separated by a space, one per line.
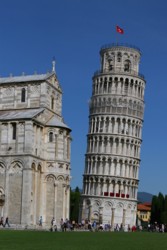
pixel 159 209
pixel 74 204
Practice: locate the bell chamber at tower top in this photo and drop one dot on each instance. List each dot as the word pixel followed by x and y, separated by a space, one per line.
pixel 120 59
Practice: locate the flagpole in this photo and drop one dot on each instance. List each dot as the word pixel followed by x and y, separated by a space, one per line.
pixel 116 38
pixel 120 31
pixel 116 35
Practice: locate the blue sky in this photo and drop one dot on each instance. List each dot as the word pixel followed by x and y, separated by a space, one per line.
pixel 73 31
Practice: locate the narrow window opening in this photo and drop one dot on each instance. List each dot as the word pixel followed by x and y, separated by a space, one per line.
pixel 51 137
pixel 52 103
pixel 14 131
pixel 23 95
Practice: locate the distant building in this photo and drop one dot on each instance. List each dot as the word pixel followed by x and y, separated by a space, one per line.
pixel 34 150
pixel 144 212
pixel 110 180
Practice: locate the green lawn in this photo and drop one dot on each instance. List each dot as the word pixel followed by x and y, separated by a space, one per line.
pixel 33 240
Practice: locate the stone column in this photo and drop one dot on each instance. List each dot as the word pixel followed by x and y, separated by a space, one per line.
pixel 90 213
pixel 114 147
pixel 95 166
pixel 127 149
pixel 112 218
pixel 15 96
pixel 93 187
pixel 123 169
pixel 6 190
pixel 126 190
pixel 89 186
pixel 43 198
pixel 17 137
pixel 101 215
pixel 91 125
pixel 109 125
pixel 119 148
pixel 111 187
pixel 118 168
pixel 55 205
pixel 35 200
pixel 98 188
pixel 89 144
pixel 107 168
pixel 68 201
pixel 86 187
pixel 116 188
pixel 124 148
pixel 123 217
pixel 102 145
pixel 110 167
pixel 133 218
pixel 116 127
pixel 28 136
pixel 26 197
pixel 64 201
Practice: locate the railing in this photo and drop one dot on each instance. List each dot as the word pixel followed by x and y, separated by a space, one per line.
pixel 108 46
pixel 119 71
pixel 111 194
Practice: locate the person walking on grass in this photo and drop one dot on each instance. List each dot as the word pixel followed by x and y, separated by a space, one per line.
pixel 1 222
pixel 7 222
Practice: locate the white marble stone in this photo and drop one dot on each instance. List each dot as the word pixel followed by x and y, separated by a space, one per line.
pixel 34 150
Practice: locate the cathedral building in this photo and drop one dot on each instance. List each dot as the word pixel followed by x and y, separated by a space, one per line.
pixel 110 180
pixel 34 150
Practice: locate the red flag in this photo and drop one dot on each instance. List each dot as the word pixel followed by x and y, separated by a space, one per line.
pixel 119 30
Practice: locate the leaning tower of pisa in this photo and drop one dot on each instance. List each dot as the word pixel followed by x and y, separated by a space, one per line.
pixel 110 179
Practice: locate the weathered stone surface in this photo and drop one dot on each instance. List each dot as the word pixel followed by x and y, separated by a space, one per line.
pixel 112 161
pixel 34 152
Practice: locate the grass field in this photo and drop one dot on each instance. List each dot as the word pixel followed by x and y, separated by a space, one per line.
pixel 33 240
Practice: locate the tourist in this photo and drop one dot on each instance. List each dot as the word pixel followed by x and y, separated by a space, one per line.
pixel 40 221
pixel 65 225
pixel 89 226
pixel 73 224
pixel 1 221
pixel 62 224
pixel 53 225
pixel 83 224
pixel 117 228
pixel 94 225
pixel 7 222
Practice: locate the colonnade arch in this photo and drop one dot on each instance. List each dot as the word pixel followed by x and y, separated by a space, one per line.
pixel 123 167
pixel 110 186
pixel 115 125
pixel 119 85
pixel 104 144
pixel 120 105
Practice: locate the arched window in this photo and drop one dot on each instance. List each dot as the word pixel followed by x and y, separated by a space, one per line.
pixel 23 95
pixel 51 137
pixel 127 65
pixel 110 64
pixel 119 56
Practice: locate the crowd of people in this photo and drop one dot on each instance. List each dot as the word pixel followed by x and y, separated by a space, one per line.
pixel 67 225
pixel 155 227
